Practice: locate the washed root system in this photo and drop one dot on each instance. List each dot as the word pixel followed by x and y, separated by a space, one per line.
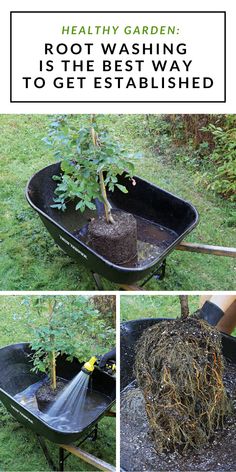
pixel 179 368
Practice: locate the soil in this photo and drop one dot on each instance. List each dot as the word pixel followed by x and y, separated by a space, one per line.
pixel 152 238
pixel 45 395
pixel 137 448
pixel 116 242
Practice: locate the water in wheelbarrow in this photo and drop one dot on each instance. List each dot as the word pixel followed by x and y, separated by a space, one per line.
pixel 153 239
pixel 76 406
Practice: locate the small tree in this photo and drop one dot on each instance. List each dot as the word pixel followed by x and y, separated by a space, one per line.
pixel 91 162
pixel 63 326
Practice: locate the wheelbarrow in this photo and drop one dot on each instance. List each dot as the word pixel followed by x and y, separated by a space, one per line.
pixel 163 221
pixel 130 334
pixel 16 376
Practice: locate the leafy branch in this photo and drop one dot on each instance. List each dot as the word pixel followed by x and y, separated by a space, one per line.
pixel 64 325
pixel 91 161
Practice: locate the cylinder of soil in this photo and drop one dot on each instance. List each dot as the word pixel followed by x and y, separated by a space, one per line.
pixel 116 242
pixel 46 396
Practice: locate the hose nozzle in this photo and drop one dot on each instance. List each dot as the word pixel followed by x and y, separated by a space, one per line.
pixel 88 367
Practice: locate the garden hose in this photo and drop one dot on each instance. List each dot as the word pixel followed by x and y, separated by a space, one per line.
pixel 88 367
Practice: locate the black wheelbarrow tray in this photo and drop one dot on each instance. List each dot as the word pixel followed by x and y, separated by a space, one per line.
pixel 16 376
pixel 130 334
pixel 163 222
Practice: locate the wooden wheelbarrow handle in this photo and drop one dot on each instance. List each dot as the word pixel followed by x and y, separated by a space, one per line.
pixel 89 458
pixel 206 249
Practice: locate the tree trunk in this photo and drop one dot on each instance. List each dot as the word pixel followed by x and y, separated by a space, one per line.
pixel 107 205
pixel 184 306
pixel 53 371
pixel 53 356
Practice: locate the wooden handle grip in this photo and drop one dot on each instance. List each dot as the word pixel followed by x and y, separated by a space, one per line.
pixel 207 249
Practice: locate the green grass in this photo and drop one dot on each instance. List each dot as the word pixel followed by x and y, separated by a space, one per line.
pixel 19 449
pixel 31 261
pixel 134 307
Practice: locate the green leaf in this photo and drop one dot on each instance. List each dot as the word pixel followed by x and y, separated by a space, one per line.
pixel 122 188
pixel 80 205
pixel 66 167
pixel 90 205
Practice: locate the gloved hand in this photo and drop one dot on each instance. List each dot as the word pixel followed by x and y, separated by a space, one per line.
pixel 211 313
pixel 108 356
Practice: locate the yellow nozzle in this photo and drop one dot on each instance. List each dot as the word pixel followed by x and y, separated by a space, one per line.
pixel 88 367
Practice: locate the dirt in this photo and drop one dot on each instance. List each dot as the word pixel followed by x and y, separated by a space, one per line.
pixel 152 240
pixel 137 448
pixel 116 242
pixel 45 395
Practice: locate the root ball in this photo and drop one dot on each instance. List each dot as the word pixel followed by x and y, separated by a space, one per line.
pixel 179 368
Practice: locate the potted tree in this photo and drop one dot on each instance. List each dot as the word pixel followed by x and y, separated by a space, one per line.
pixel 67 325
pixel 91 161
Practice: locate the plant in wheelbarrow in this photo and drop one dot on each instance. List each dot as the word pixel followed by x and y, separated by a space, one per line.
pixel 65 331
pixel 91 161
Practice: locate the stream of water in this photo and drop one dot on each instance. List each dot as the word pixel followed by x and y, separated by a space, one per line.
pixel 70 403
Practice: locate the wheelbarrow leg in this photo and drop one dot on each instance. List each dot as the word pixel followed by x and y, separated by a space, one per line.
pixel 159 274
pixel 61 459
pixel 97 280
pixel 95 433
pixel 46 453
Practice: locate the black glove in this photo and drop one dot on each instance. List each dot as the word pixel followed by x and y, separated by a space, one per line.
pixel 211 313
pixel 109 356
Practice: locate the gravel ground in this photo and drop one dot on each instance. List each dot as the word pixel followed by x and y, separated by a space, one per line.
pixel 137 450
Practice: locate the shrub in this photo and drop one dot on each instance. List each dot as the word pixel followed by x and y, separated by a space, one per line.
pixel 91 161
pixel 223 157
pixel 73 328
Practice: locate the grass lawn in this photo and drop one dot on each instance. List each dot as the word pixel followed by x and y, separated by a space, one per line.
pixel 155 306
pixel 19 449
pixel 31 261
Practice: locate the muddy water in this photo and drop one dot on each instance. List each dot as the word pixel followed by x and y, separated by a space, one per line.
pixel 138 453
pixel 95 404
pixel 153 239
